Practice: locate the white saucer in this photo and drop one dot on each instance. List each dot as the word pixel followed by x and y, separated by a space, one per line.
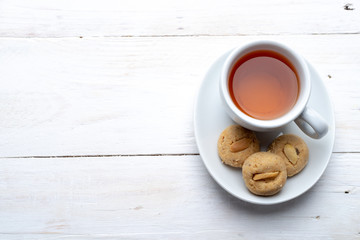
pixel 210 120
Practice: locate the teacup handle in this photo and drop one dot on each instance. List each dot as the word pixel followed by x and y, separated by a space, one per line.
pixel 311 123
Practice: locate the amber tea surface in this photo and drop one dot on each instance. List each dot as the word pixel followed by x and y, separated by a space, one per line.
pixel 264 85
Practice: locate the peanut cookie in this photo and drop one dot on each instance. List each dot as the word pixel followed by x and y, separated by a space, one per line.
pixel 293 150
pixel 235 144
pixel 264 173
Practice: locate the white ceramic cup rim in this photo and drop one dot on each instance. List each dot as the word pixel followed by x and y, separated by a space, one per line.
pixel 304 79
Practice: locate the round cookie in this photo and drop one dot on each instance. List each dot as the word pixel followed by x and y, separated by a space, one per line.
pixel 236 144
pixel 293 150
pixel 264 173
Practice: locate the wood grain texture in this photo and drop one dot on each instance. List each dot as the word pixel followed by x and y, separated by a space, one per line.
pixel 114 83
pixel 116 96
pixel 42 18
pixel 164 198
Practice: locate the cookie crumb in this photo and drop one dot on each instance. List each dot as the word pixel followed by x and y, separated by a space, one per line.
pixel 138 207
pixel 348 6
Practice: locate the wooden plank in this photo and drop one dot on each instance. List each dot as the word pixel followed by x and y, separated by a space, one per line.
pixel 64 18
pixel 110 96
pixel 164 198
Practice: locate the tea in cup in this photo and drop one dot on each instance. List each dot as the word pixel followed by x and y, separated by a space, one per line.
pixel 265 85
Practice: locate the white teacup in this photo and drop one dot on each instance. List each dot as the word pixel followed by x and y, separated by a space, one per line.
pixel 307 119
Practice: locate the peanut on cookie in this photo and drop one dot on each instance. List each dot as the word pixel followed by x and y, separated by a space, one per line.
pixel 264 173
pixel 293 150
pixel 236 144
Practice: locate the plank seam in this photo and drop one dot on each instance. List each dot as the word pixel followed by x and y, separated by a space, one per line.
pixel 133 155
pixel 110 155
pixel 184 35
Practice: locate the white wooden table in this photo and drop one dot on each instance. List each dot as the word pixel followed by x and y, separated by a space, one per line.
pixel 96 118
